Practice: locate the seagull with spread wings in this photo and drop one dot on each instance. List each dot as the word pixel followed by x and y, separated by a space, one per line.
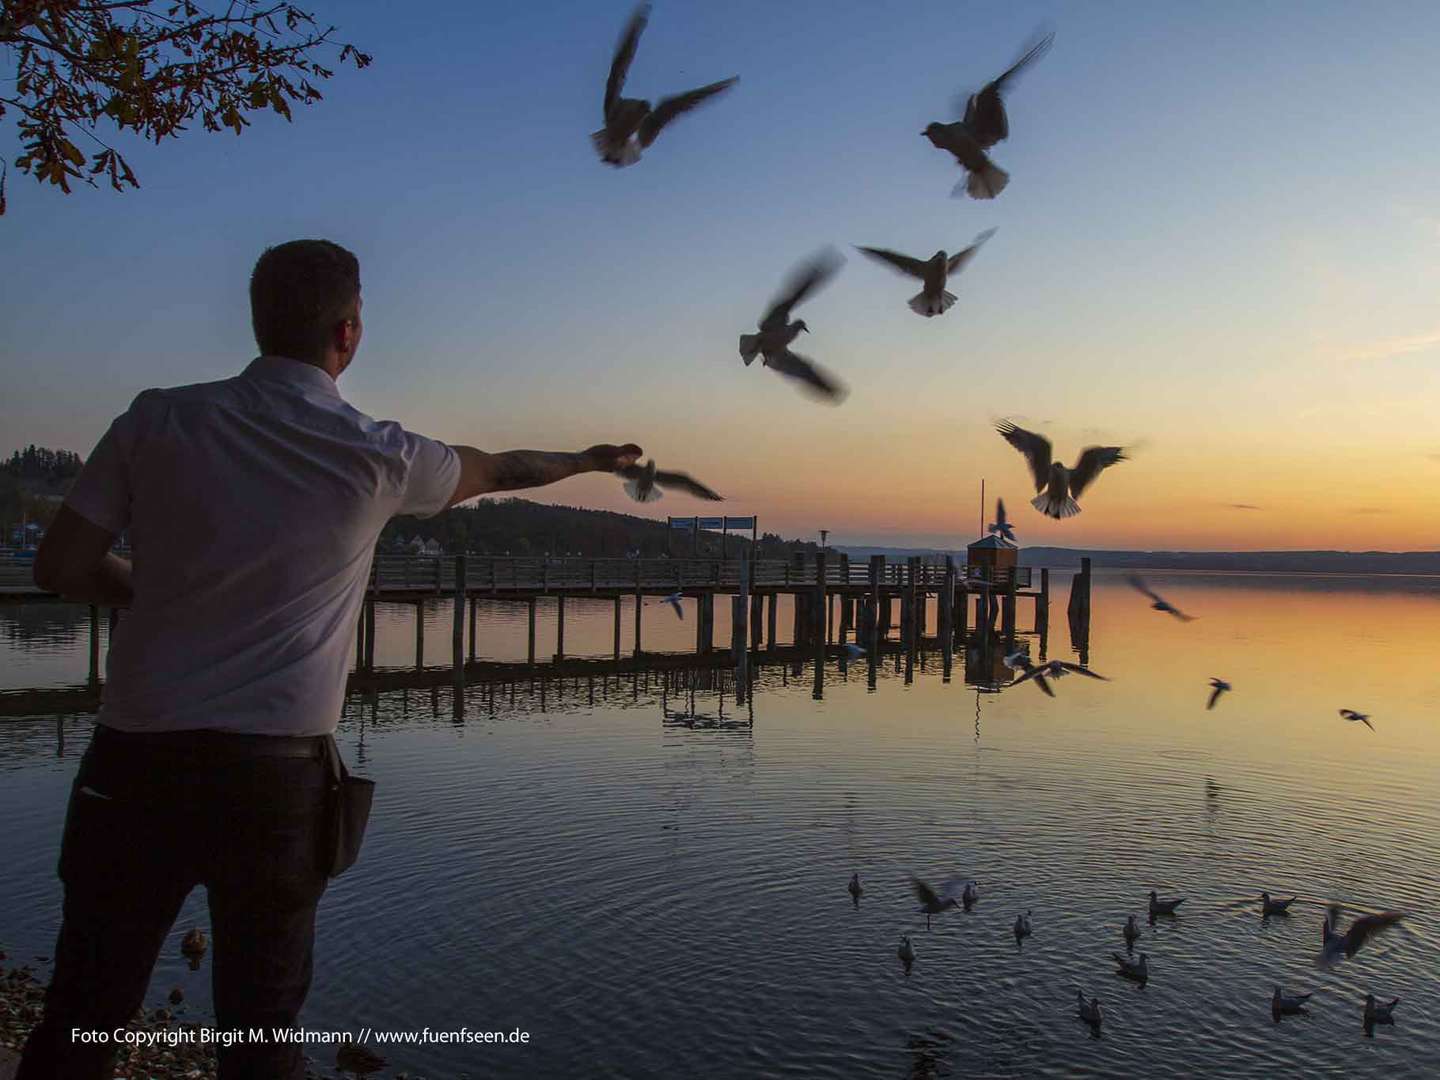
pixel 1336 945
pixel 1055 669
pixel 643 483
pixel 1159 603
pixel 1019 661
pixel 1357 717
pixel 631 124
pixel 985 110
pixel 983 178
pixel 777 331
pixel 1001 526
pixel 951 895
pixel 1059 486
pixel 935 271
pixel 1217 687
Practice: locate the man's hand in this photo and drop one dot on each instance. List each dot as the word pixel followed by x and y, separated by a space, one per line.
pixel 608 458
pixel 482 473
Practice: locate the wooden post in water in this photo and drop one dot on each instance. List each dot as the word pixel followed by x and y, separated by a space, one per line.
pixel 1079 606
pixel 962 608
pixel 797 600
pixel 1007 618
pixel 95 645
pixel 617 626
pixel 772 620
pixel 530 650
pixel 639 603
pixel 560 626
pixel 757 619
pixel 457 627
pixel 872 608
pixel 822 603
pixel 419 634
pixel 946 626
pixel 370 632
pixel 738 636
pixel 907 606
pixel 1042 602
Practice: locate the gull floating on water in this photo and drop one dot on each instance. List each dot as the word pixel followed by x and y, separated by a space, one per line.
pixel 674 601
pixel 1001 526
pixel 1090 1010
pixel 855 888
pixel 630 123
pixel 985 111
pixel 1137 969
pixel 1132 932
pixel 1217 687
pixel 933 299
pixel 1274 907
pixel 1163 907
pixel 1336 945
pixel 1281 1003
pixel 643 483
pixel 933 903
pixel 1376 1013
pixel 1060 486
pixel 1022 926
pixel 970 895
pixel 906 952
pixel 1357 717
pixel 772 343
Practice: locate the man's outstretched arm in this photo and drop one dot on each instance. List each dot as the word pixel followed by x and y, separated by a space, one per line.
pixel 482 473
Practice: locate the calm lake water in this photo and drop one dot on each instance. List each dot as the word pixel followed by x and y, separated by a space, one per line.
pixel 653 883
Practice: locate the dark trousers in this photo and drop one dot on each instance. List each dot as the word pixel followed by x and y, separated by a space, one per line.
pixel 150 817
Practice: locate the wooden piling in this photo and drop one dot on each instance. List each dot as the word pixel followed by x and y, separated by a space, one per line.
pixel 1042 602
pixel 772 620
pixel 872 613
pixel 822 603
pixel 1007 618
pixel 370 633
pixel 617 628
pixel 457 616
pixel 560 626
pixel 946 625
pixel 474 644
pixel 530 649
pixel 639 605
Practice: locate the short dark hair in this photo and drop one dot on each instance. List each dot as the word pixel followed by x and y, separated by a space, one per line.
pixel 298 292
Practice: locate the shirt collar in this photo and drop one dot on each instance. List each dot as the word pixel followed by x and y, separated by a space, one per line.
pixel 296 372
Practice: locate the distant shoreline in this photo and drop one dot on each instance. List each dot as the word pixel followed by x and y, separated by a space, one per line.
pixel 1363 563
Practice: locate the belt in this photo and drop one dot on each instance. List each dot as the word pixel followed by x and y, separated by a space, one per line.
pixel 211 745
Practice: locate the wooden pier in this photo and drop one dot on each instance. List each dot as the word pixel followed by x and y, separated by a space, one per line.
pixel 834 600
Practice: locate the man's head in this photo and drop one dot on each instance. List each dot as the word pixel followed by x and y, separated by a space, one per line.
pixel 305 303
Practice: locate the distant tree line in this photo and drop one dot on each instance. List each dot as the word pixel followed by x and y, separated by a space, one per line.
pixel 522 527
pixel 38 465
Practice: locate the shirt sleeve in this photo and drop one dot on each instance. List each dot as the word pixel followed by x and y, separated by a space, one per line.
pixel 432 472
pixel 101 493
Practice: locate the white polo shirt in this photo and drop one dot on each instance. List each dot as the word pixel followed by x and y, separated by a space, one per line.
pixel 253 505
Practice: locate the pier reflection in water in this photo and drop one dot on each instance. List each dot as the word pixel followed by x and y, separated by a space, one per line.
pixel 642 873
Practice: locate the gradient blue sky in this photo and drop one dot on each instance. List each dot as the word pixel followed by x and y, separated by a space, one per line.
pixel 1221 242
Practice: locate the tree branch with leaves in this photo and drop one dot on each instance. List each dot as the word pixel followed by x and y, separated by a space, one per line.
pixel 149 67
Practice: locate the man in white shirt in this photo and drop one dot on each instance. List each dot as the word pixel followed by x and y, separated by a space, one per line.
pixel 253 506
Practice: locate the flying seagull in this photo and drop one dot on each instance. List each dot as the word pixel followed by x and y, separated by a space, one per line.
pixel 933 299
pixel 1335 945
pixel 777 331
pixel 1018 661
pixel 642 483
pixel 1001 526
pixel 674 601
pixel 1055 669
pixel 1357 717
pixel 1060 486
pixel 1159 603
pixel 985 111
pixel 1217 687
pixel 983 178
pixel 630 123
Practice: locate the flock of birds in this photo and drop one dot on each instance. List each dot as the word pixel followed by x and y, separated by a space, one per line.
pixel 632 125
pixel 964 893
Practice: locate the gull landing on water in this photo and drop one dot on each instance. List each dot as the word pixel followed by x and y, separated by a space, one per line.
pixel 933 903
pixel 1001 526
pixel 1357 717
pixel 1336 946
pixel 777 331
pixel 935 271
pixel 643 483
pixel 630 123
pixel 1060 486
